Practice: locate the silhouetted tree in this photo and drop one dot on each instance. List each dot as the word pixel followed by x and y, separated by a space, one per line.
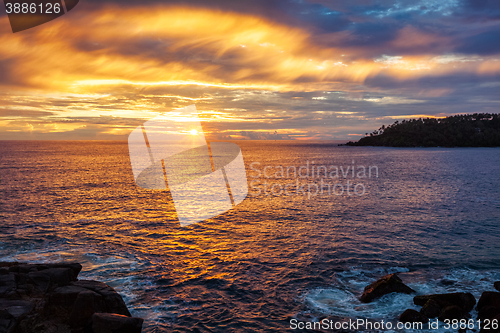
pixel 469 130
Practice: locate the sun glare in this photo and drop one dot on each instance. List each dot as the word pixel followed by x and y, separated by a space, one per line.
pixel 193 132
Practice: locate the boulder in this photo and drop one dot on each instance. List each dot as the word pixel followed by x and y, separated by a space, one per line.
pixel 488 312
pixel 16 308
pixel 114 302
pixel 59 276
pixel 451 312
pixel 49 298
pixel 465 301
pixel 431 309
pixel 113 323
pixel 7 321
pixel 86 304
pixel 413 316
pixel 497 285
pixel 7 283
pixel 489 298
pixel 64 297
pixel 40 281
pixel 388 284
pixel 74 267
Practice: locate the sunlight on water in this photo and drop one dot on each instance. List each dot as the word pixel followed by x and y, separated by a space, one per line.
pixel 431 214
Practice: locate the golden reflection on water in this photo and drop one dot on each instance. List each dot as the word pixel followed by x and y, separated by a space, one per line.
pixel 78 200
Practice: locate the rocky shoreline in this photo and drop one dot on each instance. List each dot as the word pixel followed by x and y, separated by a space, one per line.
pixel 49 298
pixel 452 306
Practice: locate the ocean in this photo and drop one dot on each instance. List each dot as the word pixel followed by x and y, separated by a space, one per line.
pixel 302 245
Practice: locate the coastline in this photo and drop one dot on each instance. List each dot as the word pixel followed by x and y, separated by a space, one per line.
pixel 51 298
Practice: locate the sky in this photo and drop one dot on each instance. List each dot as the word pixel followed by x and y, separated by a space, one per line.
pixel 281 69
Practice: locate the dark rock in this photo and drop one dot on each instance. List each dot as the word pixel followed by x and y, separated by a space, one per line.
pixel 113 323
pixel 7 283
pixel 45 326
pixel 489 298
pixel 388 284
pixel 86 304
pixel 49 298
pixel 465 301
pixel 65 297
pixel 17 308
pixel 59 276
pixel 9 264
pixel 497 285
pixel 431 309
pixel 113 300
pixel 74 267
pixel 40 281
pixel 451 312
pixel 7 321
pixel 446 282
pixel 488 312
pixel 24 268
pixel 413 316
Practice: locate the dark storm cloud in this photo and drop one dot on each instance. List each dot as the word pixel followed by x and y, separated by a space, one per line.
pixel 486 43
pixel 484 9
pixel 373 33
pixel 376 25
pixel 455 81
pixel 270 9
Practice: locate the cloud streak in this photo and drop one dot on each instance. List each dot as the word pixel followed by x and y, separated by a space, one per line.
pixel 293 70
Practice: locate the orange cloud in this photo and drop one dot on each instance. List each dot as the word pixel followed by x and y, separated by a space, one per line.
pixel 410 37
pixel 242 71
pixel 177 45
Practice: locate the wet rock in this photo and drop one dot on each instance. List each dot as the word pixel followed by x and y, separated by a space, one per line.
pixel 497 285
pixel 7 283
pixel 489 298
pixel 16 308
pixel 451 312
pixel 86 304
pixel 49 298
pixel 63 298
pixel 412 316
pixel 446 282
pixel 114 302
pixel 113 323
pixel 431 309
pixel 488 312
pixel 388 284
pixel 465 301
pixel 7 321
pixel 59 276
pixel 40 281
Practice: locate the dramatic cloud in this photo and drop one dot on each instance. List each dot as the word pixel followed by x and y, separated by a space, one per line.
pixel 254 69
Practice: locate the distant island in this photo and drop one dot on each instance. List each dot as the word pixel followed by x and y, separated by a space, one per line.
pixel 469 130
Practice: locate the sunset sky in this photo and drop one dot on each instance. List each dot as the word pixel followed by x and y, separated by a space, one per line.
pixel 254 69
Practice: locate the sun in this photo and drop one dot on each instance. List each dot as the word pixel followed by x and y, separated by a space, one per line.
pixel 193 132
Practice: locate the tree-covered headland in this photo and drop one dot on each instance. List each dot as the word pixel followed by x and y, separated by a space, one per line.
pixel 469 130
